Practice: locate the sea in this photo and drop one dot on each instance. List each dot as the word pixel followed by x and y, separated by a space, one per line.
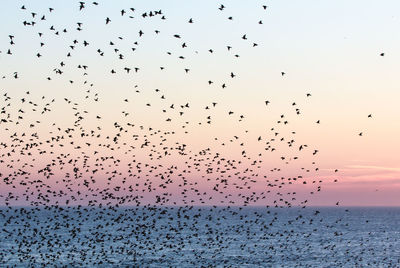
pixel 199 237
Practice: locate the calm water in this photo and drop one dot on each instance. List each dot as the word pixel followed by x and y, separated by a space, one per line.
pixel 200 237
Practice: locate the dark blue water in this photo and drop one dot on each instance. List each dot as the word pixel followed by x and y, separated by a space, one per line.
pixel 200 237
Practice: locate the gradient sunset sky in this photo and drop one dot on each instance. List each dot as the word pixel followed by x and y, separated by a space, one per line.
pixel 330 49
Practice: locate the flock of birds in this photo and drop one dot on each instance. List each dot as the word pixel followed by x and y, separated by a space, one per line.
pixel 81 190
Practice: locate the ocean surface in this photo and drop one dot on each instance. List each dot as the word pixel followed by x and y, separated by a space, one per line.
pixel 200 237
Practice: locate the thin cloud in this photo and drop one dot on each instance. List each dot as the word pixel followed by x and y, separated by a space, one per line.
pixel 397 169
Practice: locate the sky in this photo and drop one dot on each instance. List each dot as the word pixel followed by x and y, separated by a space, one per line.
pixel 330 49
